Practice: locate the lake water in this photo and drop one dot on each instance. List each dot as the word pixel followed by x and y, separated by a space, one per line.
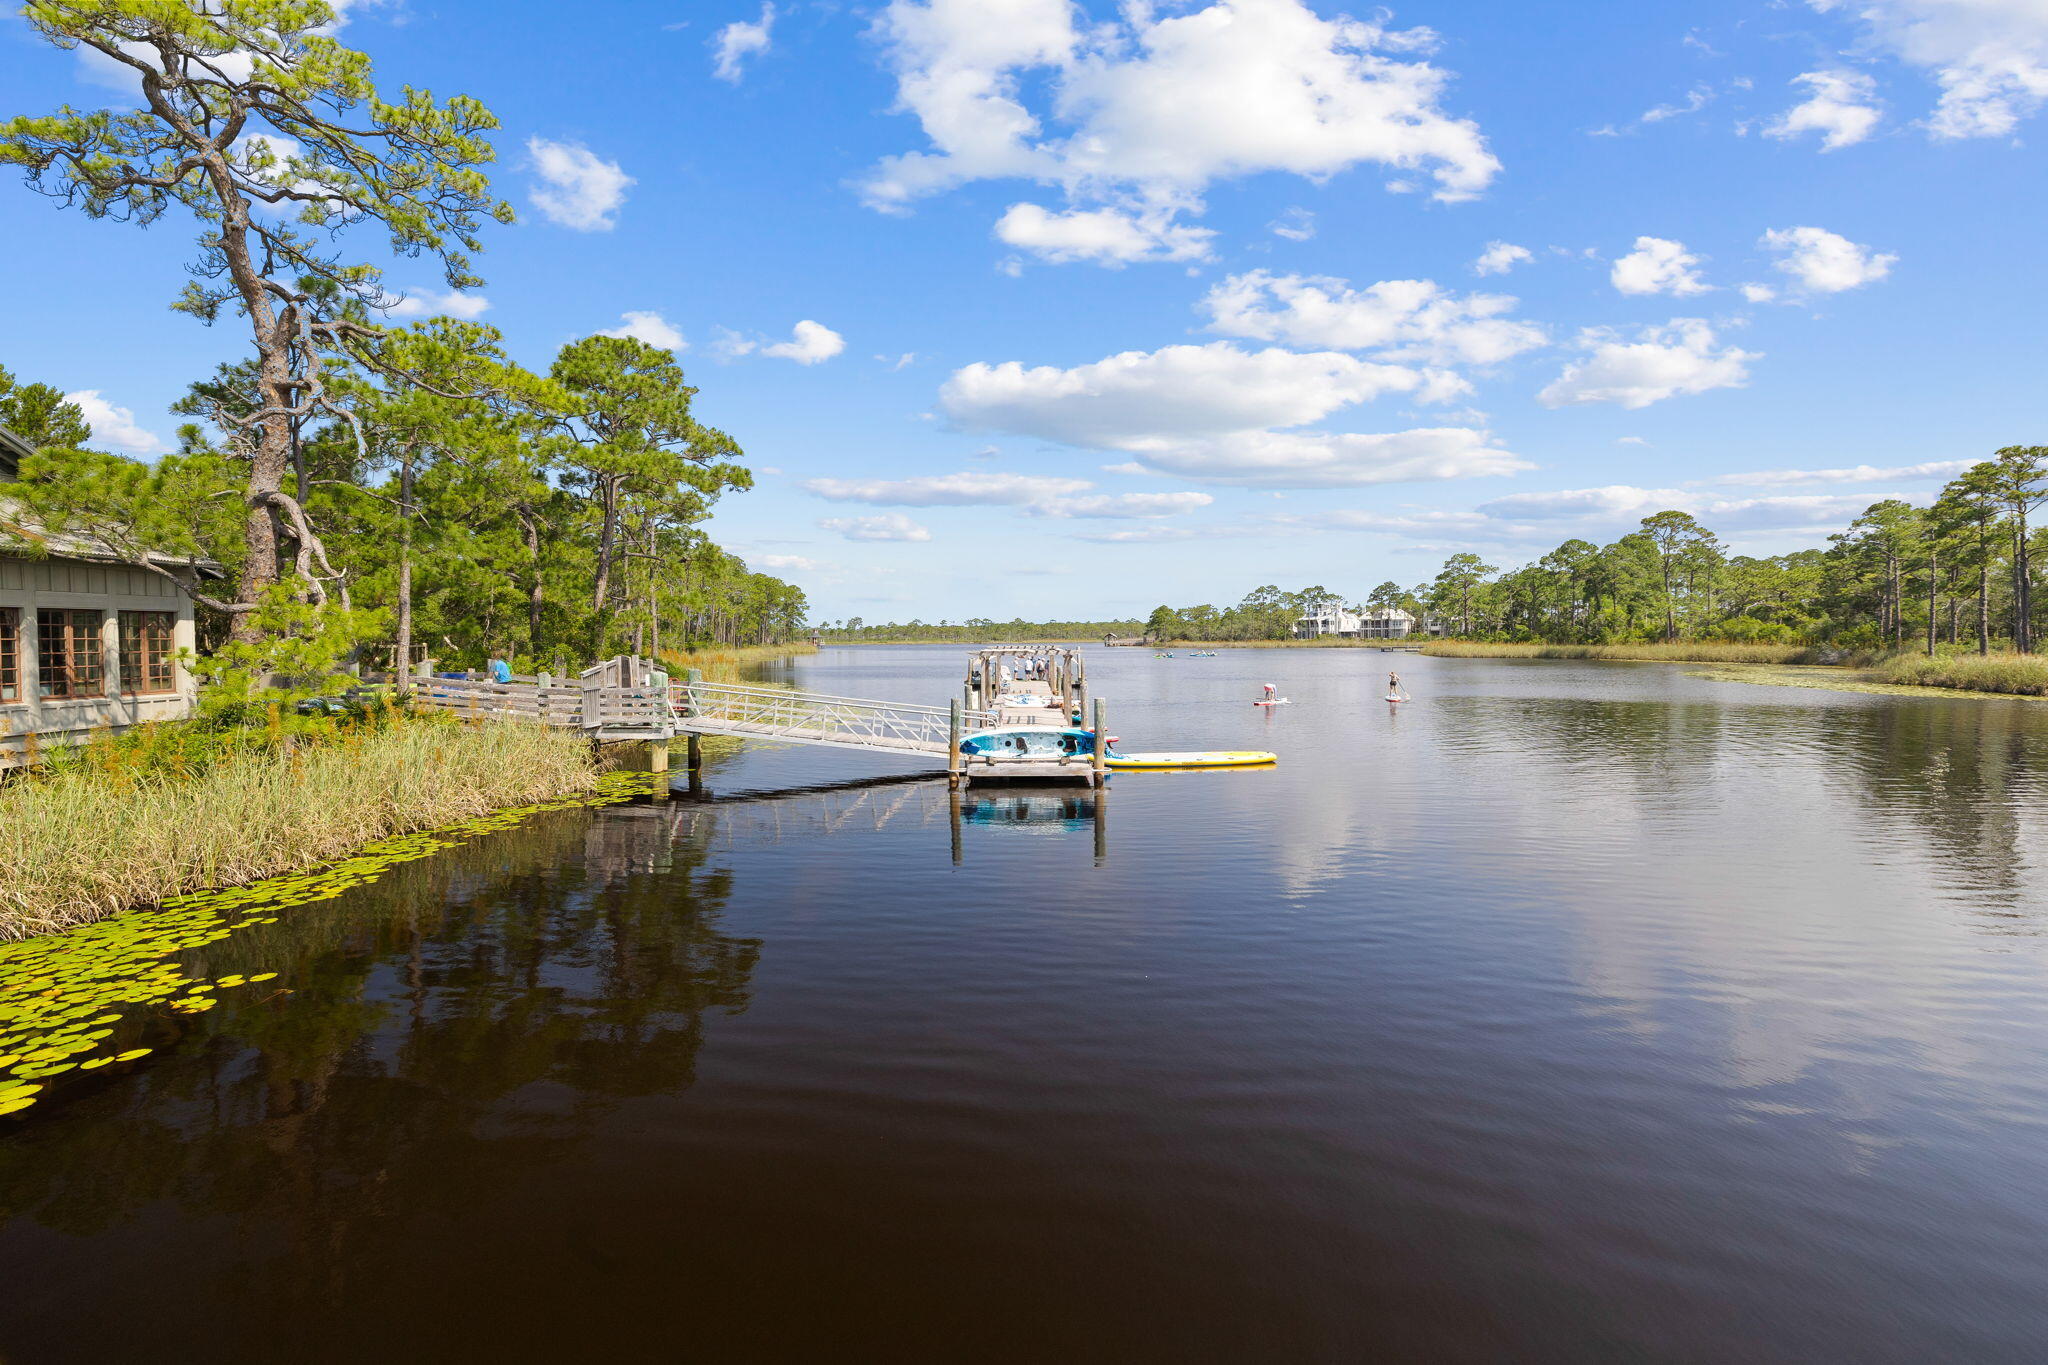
pixel 1570 1012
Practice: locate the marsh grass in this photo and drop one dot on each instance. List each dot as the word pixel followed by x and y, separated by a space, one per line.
pixel 1684 651
pixel 2019 675
pixel 150 817
pixel 726 663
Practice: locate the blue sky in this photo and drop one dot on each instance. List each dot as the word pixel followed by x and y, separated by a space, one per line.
pixel 1060 310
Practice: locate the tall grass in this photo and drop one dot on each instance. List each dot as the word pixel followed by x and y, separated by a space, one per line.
pixel 1684 651
pixel 726 663
pixel 91 839
pixel 2023 675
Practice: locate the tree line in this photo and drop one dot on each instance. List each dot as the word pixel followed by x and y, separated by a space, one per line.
pixel 391 491
pixel 973 630
pixel 1960 571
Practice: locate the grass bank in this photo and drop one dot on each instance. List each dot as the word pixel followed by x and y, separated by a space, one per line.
pixel 2018 675
pixel 1681 652
pixel 725 663
pixel 108 832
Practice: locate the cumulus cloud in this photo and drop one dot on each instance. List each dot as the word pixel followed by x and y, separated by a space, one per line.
pixel 1618 504
pixel 809 344
pixel 1109 236
pixel 971 488
pixel 577 189
pixel 453 303
pixel 1411 320
pixel 1861 473
pixel 1680 357
pixel 1501 257
pixel 1989 57
pixel 737 41
pixel 1758 293
pixel 887 526
pixel 784 563
pixel 1146 110
pixel 1840 105
pixel 1296 225
pixel 1658 266
pixel 650 327
pixel 1823 262
pixel 1220 414
pixel 115 426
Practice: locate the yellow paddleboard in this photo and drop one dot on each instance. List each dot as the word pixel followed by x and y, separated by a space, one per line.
pixel 1206 758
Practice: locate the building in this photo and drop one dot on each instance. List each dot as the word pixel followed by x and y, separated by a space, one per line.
pixel 1327 618
pixel 86 643
pixel 1386 623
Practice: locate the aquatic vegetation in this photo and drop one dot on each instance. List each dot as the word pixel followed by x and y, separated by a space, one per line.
pixel 2022 675
pixel 67 1000
pixel 1681 651
pixel 92 840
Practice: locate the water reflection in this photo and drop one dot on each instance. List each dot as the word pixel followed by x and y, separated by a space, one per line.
pixel 466 1019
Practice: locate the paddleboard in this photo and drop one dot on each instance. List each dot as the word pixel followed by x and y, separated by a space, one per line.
pixel 1209 758
pixel 1281 702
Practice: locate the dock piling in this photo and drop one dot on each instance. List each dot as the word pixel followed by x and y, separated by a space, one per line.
pixel 1101 742
pixel 953 727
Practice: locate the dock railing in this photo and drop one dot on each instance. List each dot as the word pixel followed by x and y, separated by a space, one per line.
pixel 815 717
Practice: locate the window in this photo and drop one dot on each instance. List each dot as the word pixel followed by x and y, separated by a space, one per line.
pixel 10 655
pixel 71 661
pixel 146 651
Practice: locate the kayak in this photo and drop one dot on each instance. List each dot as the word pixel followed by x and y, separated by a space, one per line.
pixel 1201 758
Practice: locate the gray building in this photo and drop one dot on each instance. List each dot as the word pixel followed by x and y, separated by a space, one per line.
pixel 87 643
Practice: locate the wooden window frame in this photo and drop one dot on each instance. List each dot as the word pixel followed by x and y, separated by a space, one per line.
pixel 145 672
pixel 10 657
pixel 71 663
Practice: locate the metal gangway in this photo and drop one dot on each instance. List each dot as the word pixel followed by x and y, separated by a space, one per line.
pixel 818 718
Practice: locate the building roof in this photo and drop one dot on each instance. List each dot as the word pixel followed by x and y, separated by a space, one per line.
pixel 17 534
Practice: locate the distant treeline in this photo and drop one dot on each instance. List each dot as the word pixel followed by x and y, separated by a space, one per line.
pixel 974 630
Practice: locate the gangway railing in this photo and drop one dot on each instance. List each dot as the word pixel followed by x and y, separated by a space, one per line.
pixel 816 718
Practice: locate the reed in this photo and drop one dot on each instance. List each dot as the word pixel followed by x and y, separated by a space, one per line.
pixel 1683 651
pixel 93 838
pixel 2020 675
pixel 727 663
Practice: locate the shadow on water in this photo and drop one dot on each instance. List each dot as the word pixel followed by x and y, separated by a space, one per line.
pixel 466 1019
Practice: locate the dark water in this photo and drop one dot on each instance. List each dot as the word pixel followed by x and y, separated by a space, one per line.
pixel 1574 1012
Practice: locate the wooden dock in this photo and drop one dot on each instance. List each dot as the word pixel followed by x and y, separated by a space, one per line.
pixel 627 700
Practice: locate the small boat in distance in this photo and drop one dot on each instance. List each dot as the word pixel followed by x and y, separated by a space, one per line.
pixel 1204 758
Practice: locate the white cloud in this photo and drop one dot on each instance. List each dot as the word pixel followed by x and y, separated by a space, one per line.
pixel 1662 362
pixel 1862 473
pixel 972 488
pixel 1658 266
pixel 1630 441
pixel 1412 320
pixel 579 189
pixel 809 344
pixel 1209 413
pixel 1823 262
pixel 1289 459
pixel 784 563
pixel 1145 111
pixel 1623 503
pixel 1840 105
pixel 1126 505
pixel 1758 293
pixel 116 427
pixel 1500 257
pixel 887 526
pixel 1989 57
pixel 650 327
pixel 453 303
pixel 1107 236
pixel 738 41
pixel 1696 99
pixel 1296 225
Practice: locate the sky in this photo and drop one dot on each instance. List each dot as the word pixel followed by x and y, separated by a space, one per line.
pixel 1064 311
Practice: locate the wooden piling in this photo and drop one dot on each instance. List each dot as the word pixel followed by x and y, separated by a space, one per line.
pixel 1101 742
pixel 953 727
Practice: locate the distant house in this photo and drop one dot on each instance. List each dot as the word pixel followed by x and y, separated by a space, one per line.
pixel 1386 623
pixel 1326 618
pixel 86 642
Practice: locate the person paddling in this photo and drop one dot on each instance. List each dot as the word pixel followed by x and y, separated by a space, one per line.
pixel 1394 692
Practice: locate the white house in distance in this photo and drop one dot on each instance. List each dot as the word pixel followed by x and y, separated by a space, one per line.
pixel 86 643
pixel 1326 618
pixel 1333 618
